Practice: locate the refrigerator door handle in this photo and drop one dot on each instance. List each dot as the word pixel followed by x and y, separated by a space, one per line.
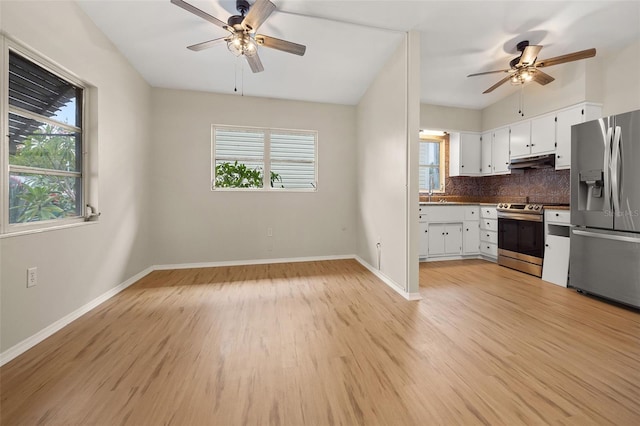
pixel 606 168
pixel 615 168
pixel 623 238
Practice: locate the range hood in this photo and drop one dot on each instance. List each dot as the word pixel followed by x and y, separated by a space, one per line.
pixel 537 162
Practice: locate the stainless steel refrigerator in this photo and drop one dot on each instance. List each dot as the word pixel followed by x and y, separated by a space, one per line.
pixel 605 208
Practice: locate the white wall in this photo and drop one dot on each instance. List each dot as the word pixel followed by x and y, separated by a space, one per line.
pixel 439 117
pixel 383 117
pixel 621 80
pixel 79 264
pixel 191 223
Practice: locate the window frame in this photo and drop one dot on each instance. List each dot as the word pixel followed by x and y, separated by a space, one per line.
pixel 8 229
pixel 441 140
pixel 266 158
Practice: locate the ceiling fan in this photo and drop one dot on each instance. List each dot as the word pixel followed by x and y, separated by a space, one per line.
pixel 242 40
pixel 525 67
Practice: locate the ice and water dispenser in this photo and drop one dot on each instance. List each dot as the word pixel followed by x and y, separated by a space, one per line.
pixel 591 191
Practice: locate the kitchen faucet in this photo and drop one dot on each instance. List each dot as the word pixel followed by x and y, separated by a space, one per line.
pixel 430 187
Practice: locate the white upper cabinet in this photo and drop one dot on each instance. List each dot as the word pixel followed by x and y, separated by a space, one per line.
pixel 486 141
pixel 564 120
pixel 520 141
pixel 464 154
pixel 543 134
pixel 500 151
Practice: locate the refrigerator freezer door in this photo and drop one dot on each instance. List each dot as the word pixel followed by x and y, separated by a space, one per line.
pixel 607 264
pixel 626 167
pixel 591 174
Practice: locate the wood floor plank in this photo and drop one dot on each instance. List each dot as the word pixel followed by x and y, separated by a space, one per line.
pixel 326 343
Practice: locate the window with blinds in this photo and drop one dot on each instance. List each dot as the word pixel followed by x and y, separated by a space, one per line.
pixel 431 165
pixel 242 157
pixel 44 144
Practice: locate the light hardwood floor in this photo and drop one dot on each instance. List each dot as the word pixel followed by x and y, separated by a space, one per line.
pixel 324 343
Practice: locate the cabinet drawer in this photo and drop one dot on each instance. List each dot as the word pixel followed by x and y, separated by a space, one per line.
pixel 489 224
pixel 489 249
pixel 489 236
pixel 488 212
pixel 471 213
pixel 557 216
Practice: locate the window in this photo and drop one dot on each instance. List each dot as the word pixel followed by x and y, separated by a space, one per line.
pixel 432 163
pixel 44 147
pixel 243 156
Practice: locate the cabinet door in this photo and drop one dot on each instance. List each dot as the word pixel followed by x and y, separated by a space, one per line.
pixel 520 139
pixel 424 239
pixel 435 239
pixel 500 151
pixel 555 267
pixel 543 134
pixel 566 119
pixel 453 238
pixel 469 154
pixel 485 153
pixel 471 238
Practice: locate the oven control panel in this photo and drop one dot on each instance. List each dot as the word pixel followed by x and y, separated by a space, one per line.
pixel 520 208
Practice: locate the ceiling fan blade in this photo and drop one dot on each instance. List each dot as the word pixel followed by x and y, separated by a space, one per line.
pixel 487 72
pixel 542 78
pixel 258 13
pixel 204 15
pixel 255 63
pixel 206 44
pixel 529 56
pixel 498 84
pixel 575 56
pixel 285 46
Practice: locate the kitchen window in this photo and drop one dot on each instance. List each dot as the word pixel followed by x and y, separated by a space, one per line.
pixel 431 163
pixel 43 184
pixel 243 156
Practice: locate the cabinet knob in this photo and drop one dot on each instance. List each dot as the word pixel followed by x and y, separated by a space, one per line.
pixel 527 146
pixel 546 245
pixel 443 233
pixel 425 231
pixel 557 214
pixel 558 156
pixel 447 233
pixel 506 164
pixel 487 235
pixel 532 144
pixel 462 166
pixel 467 229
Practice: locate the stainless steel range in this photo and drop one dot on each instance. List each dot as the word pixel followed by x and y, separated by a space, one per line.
pixel 521 237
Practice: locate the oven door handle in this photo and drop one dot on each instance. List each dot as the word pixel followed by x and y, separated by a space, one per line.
pixel 521 216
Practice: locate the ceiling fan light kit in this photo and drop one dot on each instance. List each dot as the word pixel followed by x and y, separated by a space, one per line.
pixel 243 41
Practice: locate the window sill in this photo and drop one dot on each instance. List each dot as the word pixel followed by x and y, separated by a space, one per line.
pixel 281 191
pixel 18 233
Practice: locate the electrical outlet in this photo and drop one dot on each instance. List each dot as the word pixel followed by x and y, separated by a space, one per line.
pixel 32 277
pixel 269 232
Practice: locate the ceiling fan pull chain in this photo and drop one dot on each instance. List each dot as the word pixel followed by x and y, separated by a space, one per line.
pixel 235 76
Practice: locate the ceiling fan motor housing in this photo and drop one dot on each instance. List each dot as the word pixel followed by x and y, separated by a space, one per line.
pixel 242 6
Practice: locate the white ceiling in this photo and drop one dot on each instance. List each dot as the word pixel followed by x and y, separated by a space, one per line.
pixel 349 40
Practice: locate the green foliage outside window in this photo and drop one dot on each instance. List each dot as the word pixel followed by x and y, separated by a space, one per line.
pixel 238 175
pixel 34 197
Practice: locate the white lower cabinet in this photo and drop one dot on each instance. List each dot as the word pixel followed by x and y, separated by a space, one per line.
pixel 424 239
pixel 471 237
pixel 556 260
pixel 489 232
pixel 555 267
pixel 445 239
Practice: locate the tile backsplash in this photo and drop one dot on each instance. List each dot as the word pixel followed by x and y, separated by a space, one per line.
pixel 539 185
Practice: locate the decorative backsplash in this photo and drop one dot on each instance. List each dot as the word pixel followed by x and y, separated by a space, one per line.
pixel 539 185
pixel 534 185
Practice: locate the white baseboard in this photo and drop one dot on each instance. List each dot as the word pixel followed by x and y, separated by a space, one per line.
pixel 33 340
pixel 30 342
pixel 250 262
pixel 388 281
